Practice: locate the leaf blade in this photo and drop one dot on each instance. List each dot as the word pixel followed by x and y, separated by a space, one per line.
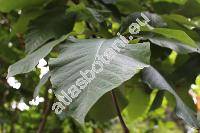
pixel 65 70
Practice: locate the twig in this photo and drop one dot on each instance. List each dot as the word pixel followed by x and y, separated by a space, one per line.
pixel 126 130
pixel 46 111
pixel 21 40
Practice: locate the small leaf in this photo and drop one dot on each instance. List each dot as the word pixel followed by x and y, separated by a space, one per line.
pixel 175 34
pixel 179 19
pixel 173 44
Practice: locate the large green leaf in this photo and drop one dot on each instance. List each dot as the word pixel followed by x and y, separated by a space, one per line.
pixel 22 23
pixel 76 57
pixel 155 80
pixel 28 63
pixel 51 25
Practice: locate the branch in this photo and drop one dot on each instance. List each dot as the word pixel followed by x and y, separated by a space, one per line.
pixel 46 111
pixel 126 130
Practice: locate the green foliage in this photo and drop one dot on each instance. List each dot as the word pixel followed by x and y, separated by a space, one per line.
pixel 150 76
